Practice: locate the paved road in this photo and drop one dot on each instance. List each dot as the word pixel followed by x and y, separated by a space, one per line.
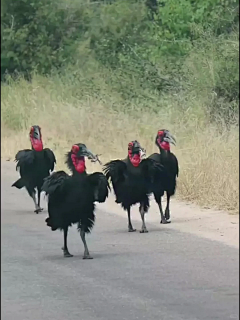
pixel 164 274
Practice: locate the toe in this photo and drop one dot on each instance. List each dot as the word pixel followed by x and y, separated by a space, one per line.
pixel 67 254
pixel 38 210
pixel 144 231
pixel 165 221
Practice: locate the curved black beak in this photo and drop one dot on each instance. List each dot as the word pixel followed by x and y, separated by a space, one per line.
pixel 138 149
pixel 36 133
pixel 169 138
pixel 85 152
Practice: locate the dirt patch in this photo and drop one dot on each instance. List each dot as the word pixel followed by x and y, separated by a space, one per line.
pixel 207 223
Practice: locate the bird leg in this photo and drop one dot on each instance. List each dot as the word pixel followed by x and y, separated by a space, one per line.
pixel 86 254
pixel 39 209
pixel 130 227
pixel 163 219
pixel 66 253
pixel 167 211
pixel 142 213
pixel 33 195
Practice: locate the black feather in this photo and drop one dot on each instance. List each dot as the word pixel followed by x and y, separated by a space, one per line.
pixel 50 157
pixel 167 181
pixel 71 198
pixel 100 186
pixel 19 184
pixel 33 167
pixel 152 171
pixel 24 158
pixel 132 185
pixel 55 181
pixel 69 163
pixel 116 170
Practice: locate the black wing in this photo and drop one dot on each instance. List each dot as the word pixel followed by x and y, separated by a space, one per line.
pixel 24 158
pixel 155 156
pixel 50 158
pixel 55 182
pixel 100 186
pixel 115 171
pixel 175 165
pixel 170 162
pixel 152 170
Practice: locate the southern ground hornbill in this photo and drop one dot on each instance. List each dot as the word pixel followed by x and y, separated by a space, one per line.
pixel 171 170
pixel 133 180
pixel 34 165
pixel 71 198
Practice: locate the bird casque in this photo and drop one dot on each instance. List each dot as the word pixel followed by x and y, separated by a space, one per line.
pixel 170 171
pixel 133 180
pixel 71 198
pixel 34 165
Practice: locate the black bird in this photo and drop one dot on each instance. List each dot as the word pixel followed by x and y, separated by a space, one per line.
pixel 133 180
pixel 170 169
pixel 34 165
pixel 71 198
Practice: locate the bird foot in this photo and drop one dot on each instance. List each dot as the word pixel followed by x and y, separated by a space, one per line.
pixel 165 221
pixel 66 253
pixel 130 229
pixel 167 215
pixel 143 231
pixel 38 210
pixel 87 257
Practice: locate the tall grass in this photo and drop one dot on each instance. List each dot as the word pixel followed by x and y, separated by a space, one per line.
pixel 71 110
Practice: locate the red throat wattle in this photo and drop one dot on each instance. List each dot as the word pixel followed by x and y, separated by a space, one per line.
pixel 135 159
pixel 79 163
pixel 165 145
pixel 37 144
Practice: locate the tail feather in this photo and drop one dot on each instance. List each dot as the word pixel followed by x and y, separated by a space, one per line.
pixel 19 184
pixel 49 224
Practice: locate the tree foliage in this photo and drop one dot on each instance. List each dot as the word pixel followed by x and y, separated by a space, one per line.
pixel 146 40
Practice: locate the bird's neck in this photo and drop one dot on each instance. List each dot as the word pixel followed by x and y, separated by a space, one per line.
pixel 164 153
pixel 79 175
pixel 131 168
pixel 134 160
pixel 38 154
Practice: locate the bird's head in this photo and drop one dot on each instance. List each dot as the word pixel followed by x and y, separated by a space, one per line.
pixel 135 153
pixel 163 139
pixel 36 138
pixel 76 157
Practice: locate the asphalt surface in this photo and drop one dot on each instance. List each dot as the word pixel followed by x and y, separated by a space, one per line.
pixel 164 274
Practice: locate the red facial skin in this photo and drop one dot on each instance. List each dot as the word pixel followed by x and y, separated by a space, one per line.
pixel 36 144
pixel 163 144
pixel 135 159
pixel 78 162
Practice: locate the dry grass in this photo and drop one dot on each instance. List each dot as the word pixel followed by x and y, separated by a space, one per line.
pixel 209 167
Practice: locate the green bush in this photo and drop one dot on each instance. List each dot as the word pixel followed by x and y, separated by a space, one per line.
pixel 142 56
pixel 38 35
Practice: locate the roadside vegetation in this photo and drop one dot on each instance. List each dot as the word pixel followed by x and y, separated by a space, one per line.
pixel 107 72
